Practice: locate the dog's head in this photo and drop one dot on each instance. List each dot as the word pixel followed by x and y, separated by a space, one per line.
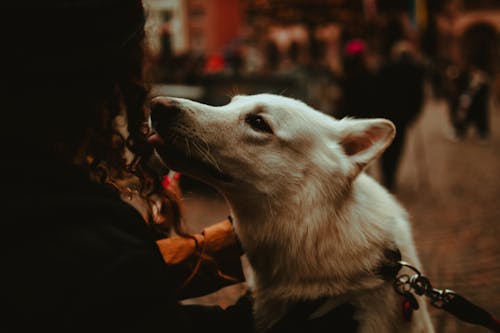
pixel 264 144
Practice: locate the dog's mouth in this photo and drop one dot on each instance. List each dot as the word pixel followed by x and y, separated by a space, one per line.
pixel 178 159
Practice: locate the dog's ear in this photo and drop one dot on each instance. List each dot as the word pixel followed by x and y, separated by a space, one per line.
pixel 363 140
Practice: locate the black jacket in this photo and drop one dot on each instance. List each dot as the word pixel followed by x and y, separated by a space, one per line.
pixel 76 258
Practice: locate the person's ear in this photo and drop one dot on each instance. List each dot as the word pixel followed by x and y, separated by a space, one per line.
pixel 363 140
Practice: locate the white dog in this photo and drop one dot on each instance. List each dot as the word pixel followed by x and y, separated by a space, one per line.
pixel 313 225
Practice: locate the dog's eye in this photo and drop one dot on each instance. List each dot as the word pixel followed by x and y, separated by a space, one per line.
pixel 258 123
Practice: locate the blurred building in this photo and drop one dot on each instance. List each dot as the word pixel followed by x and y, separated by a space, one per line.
pixel 255 38
pixel 209 26
pixel 203 26
pixel 171 15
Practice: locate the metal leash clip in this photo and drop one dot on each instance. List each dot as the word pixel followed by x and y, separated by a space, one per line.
pixel 439 298
pixel 403 283
pixel 421 285
pixel 409 284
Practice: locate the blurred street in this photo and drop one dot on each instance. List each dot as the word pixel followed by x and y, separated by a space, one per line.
pixel 452 191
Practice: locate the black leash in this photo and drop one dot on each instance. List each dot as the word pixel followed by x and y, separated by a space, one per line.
pixel 417 284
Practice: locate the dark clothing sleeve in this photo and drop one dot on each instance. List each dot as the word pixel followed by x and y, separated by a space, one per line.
pixel 82 260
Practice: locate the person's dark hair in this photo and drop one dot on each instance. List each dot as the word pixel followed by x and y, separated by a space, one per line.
pixel 74 68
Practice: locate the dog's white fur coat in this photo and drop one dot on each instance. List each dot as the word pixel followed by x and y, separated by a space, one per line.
pixel 312 223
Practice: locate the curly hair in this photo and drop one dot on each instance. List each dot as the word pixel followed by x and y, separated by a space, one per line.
pixel 87 66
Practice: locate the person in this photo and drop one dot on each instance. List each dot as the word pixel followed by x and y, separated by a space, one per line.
pixel 395 90
pixel 272 56
pixel 400 90
pixel 166 56
pixel 469 107
pixel 91 240
pixel 357 83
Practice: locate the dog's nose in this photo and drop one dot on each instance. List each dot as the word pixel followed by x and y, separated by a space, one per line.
pixel 163 111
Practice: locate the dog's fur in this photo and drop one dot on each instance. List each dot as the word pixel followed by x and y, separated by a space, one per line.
pixel 312 223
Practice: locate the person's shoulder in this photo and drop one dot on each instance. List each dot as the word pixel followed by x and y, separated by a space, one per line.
pixel 77 208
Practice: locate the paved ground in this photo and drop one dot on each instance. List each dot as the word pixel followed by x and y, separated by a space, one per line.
pixel 452 191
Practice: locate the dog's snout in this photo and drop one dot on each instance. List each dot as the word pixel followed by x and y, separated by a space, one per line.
pixel 163 111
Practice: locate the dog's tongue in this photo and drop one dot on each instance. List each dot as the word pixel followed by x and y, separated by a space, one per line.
pixel 155 139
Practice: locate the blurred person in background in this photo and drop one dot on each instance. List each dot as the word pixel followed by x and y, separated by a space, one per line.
pixel 272 56
pixel 470 105
pixel 166 57
pixel 91 240
pixel 400 99
pixel 357 83
pixel 394 91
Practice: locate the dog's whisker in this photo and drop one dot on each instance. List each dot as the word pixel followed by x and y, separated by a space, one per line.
pixel 282 93
pixel 269 209
pixel 205 142
pixel 210 156
pixel 172 137
pixel 188 149
pixel 206 155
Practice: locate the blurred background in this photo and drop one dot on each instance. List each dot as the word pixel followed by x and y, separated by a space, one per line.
pixel 431 66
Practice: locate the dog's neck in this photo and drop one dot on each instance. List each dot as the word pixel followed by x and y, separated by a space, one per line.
pixel 276 248
pixel 338 235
